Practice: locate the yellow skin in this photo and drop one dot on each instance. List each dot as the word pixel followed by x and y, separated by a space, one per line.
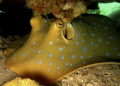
pixel 58 49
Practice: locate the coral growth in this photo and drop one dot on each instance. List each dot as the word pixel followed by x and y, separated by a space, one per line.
pixel 64 9
pixel 21 82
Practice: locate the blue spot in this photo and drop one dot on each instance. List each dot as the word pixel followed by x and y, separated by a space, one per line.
pixel 90 56
pixel 105 33
pixel 45 21
pixel 58 68
pixel 33 50
pixel 85 48
pixel 91 43
pixel 42 34
pixel 71 49
pixel 115 58
pixel 60 49
pixel 77 43
pixel 95 28
pixel 93 53
pixel 83 34
pixel 115 48
pixel 46 25
pixel 96 45
pixel 107 42
pixel 115 37
pixel 118 54
pixel 92 34
pixel 67 63
pixel 32 61
pixel 73 24
pixel 83 40
pixel 89 27
pixel 84 62
pixel 94 23
pixel 50 43
pixel 71 64
pixel 65 68
pixel 62 57
pixel 28 58
pixel 105 28
pixel 98 25
pixel 107 54
pixel 48 69
pixel 81 57
pixel 80 20
pixel 73 56
pixel 50 63
pixel 34 43
pixel 52 19
pixel 80 23
pixel 39 51
pixel 102 20
pixel 23 54
pixel 57 39
pixel 111 37
pixel 13 57
pixel 40 62
pixel 85 19
pixel 50 55
pixel 39 28
pixel 100 40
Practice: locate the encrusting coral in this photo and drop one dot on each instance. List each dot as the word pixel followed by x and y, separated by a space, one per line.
pixel 21 82
pixel 64 9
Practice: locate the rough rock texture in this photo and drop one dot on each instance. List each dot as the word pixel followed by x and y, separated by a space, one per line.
pixel 21 82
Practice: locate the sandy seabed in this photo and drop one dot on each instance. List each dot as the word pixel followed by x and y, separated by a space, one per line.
pixel 101 75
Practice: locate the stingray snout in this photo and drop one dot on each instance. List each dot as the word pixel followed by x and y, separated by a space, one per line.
pixel 67 31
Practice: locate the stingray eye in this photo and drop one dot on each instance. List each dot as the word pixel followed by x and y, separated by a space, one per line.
pixel 59 23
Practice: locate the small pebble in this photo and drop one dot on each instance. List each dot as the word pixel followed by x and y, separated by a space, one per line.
pixel 71 78
pixel 1 41
pixel 5 52
pixel 4 46
pixel 0 45
pixel 76 84
pixel 96 84
pixel 83 84
pixel 64 80
pixel 1 52
pixel 89 84
pixel 85 73
pixel 102 84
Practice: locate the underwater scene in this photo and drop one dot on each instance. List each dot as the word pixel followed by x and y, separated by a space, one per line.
pixel 59 42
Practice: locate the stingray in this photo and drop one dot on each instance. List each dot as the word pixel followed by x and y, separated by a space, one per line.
pixel 54 50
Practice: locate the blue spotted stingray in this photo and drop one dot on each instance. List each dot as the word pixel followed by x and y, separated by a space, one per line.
pixel 57 49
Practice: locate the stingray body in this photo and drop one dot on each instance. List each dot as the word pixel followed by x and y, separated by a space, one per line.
pixel 58 49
